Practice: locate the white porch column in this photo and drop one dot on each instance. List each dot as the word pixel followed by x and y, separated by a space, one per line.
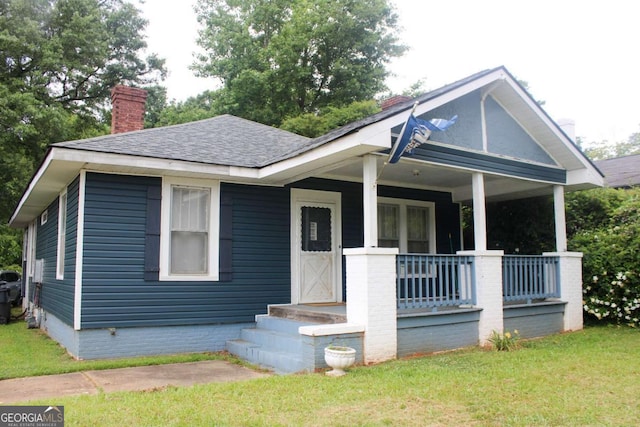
pixel 488 288
pixel 570 288
pixel 479 212
pixel 560 218
pixel 371 300
pixel 370 201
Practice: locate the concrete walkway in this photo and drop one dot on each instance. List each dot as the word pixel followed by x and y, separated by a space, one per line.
pixel 124 379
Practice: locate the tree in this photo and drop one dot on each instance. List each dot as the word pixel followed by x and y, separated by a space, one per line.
pixel 314 125
pixel 605 150
pixel 59 60
pixel 202 106
pixel 278 59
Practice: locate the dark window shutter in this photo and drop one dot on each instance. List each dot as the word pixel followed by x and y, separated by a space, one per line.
pixel 226 238
pixel 152 234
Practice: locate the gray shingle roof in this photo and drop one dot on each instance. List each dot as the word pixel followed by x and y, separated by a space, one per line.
pixel 621 172
pixel 231 141
pixel 222 140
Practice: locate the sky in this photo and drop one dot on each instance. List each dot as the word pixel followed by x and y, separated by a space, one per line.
pixel 578 56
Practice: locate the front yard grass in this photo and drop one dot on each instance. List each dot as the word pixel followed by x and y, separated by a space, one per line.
pixel 30 352
pixel 583 378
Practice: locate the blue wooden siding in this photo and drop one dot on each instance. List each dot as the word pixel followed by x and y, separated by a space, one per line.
pixel 504 135
pixel 57 296
pixel 115 292
pixel 467 131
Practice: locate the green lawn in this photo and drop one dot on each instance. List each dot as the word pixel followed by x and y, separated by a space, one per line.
pixel 29 352
pixel 589 377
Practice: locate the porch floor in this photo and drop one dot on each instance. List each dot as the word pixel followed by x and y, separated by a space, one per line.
pixel 312 313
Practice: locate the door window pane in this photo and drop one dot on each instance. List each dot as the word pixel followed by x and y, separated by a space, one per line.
pixel 316 229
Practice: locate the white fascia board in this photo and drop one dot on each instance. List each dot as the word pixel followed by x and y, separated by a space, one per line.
pixel 34 181
pixel 451 95
pixel 138 162
pixel 587 176
pixel 63 164
pixel 369 139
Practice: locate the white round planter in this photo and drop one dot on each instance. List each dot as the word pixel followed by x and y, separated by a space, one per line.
pixel 339 358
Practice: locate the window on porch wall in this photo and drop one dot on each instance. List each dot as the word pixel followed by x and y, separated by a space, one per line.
pixel 405 225
pixel 388 226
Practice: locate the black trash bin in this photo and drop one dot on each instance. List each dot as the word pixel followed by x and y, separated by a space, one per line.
pixel 5 306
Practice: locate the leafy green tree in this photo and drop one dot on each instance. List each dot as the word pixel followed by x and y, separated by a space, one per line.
pixel 202 106
pixel 59 60
pixel 605 150
pixel 278 59
pixel 314 125
pixel 592 209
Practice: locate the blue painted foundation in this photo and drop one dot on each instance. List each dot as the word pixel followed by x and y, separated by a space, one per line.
pixel 535 320
pixel 144 341
pixel 437 331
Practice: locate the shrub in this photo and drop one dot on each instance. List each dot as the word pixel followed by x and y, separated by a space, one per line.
pixel 611 284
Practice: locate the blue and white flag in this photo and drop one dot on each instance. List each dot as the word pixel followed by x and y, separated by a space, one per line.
pixel 416 132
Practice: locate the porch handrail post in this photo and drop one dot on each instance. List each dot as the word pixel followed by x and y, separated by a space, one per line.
pixel 560 218
pixel 370 201
pixel 371 300
pixel 488 291
pixel 570 288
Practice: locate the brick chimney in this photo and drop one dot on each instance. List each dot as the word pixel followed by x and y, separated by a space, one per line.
pixel 128 104
pixel 390 102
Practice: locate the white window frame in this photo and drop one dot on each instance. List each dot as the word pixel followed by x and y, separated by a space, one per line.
pixel 62 234
pixel 403 204
pixel 214 229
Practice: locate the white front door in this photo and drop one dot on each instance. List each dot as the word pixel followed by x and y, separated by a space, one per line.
pixel 316 247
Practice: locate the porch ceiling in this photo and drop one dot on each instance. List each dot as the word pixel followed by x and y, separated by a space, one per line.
pixel 417 174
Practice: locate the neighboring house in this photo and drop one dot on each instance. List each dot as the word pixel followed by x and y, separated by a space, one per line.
pixel 183 238
pixel 621 172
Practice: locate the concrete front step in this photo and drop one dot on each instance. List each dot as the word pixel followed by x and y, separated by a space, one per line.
pixel 279 362
pixel 272 339
pixel 273 344
pixel 310 314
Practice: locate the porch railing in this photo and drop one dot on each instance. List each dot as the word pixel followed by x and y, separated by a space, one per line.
pixel 529 277
pixel 432 281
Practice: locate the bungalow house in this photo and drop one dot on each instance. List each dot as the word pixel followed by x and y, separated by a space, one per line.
pixel 228 234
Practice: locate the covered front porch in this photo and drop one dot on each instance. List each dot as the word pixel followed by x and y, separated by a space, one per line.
pixel 393 229
pixel 416 304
